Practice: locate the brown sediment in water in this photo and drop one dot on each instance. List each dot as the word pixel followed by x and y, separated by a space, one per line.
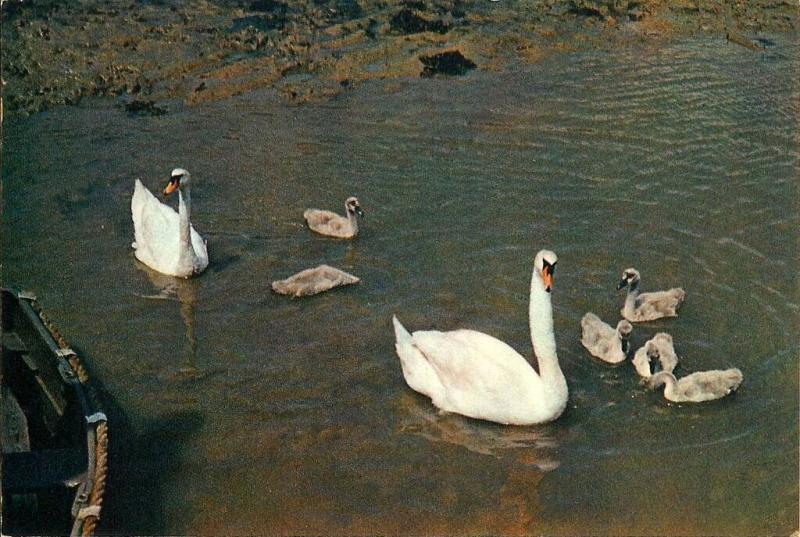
pixel 57 53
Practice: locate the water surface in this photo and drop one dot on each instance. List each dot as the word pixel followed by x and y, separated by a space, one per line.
pixel 238 411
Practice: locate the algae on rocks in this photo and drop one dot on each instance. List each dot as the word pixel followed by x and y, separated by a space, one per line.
pixel 56 53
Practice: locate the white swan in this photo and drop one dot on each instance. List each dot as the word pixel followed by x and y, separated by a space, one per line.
pixel 314 280
pixel 659 348
pixel 164 239
pixel 602 341
pixel 334 225
pixel 697 387
pixel 648 306
pixel 476 375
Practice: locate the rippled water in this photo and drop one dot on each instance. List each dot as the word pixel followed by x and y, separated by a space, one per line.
pixel 239 411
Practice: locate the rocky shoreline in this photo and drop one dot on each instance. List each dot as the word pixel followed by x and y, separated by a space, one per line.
pixel 149 52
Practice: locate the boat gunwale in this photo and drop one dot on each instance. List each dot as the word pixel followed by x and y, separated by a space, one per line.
pixel 88 499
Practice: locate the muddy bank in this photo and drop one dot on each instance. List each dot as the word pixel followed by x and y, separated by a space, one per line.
pixel 151 51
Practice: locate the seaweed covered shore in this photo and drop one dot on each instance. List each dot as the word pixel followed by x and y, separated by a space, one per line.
pixel 152 51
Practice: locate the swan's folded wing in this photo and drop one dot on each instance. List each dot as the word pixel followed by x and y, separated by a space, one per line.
pixel 470 363
pixel 318 217
pixel 718 382
pixel 155 224
pixel 326 222
pixel 200 249
pixel 662 300
pixel 594 331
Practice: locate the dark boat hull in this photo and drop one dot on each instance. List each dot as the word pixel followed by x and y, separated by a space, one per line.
pixel 54 434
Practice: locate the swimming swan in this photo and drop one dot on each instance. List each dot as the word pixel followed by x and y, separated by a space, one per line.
pixel 643 358
pixel 314 280
pixel 658 349
pixel 333 225
pixel 665 351
pixel 648 306
pixel 164 239
pixel 697 387
pixel 602 341
pixel 476 375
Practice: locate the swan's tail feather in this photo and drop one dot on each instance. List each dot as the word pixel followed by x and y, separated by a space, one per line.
pixel 400 332
pixel 138 201
pixel 418 373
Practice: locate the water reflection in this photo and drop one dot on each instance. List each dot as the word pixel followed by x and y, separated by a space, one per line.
pixel 350 255
pixel 419 417
pixel 185 292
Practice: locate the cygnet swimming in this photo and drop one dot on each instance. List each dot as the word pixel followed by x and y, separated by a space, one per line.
pixel 314 280
pixel 658 350
pixel 334 225
pixel 648 306
pixel 697 387
pixel 604 342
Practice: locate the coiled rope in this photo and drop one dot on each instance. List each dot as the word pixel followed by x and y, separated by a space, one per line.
pixel 101 431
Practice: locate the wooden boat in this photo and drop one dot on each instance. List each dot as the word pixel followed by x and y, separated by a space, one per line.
pixel 54 434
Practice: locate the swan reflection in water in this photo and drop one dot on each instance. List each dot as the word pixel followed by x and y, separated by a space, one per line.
pixel 185 292
pixel 533 446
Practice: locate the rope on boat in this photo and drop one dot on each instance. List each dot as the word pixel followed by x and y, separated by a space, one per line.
pixel 91 513
pixel 99 485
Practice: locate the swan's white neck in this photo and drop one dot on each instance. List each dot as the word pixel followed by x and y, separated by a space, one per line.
pixel 185 212
pixel 187 254
pixel 540 318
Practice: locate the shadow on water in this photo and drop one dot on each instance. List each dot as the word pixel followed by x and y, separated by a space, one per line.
pixel 144 459
pixel 223 263
pixel 141 464
pixel 419 417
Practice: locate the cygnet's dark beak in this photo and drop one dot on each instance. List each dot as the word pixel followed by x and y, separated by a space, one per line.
pixel 622 283
pixel 359 212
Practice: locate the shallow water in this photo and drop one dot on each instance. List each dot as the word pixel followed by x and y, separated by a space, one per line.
pixel 239 411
